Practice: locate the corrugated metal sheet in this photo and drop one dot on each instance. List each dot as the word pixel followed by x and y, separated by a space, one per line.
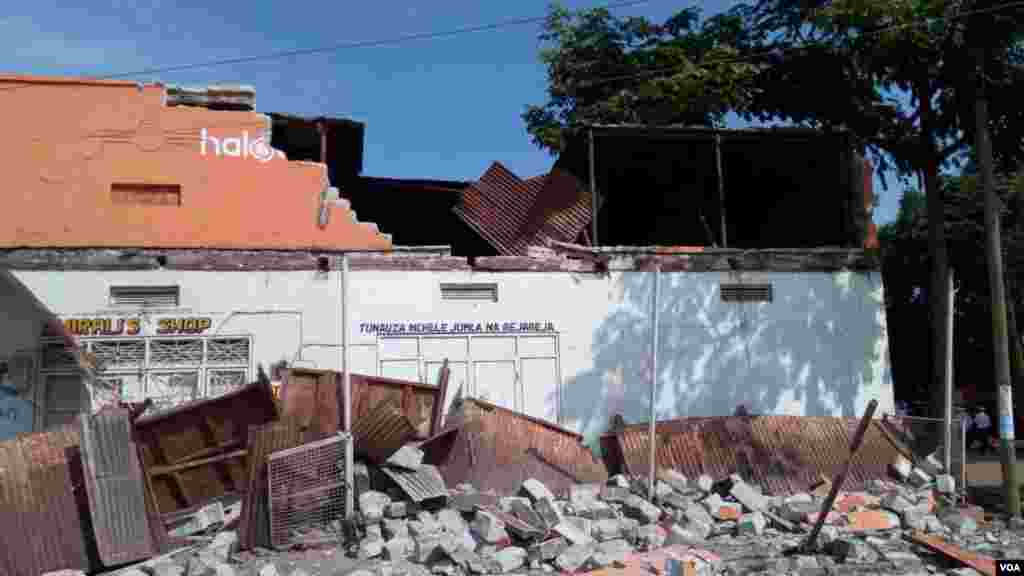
pixel 199 430
pixel 513 214
pixel 497 448
pixel 381 432
pixel 415 398
pixel 254 527
pixel 44 527
pixel 115 487
pixel 312 397
pixel 423 484
pixel 783 454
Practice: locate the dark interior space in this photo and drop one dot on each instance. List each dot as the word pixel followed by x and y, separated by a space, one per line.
pixel 300 139
pixel 417 213
pixel 782 189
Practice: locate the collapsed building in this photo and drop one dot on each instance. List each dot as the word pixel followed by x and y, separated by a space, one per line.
pixel 186 243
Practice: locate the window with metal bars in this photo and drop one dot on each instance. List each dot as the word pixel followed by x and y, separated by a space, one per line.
pixel 145 296
pixel 746 292
pixel 475 291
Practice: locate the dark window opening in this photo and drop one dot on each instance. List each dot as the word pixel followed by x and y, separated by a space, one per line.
pixel 145 194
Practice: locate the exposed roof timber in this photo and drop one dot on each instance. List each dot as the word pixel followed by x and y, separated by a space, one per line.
pixel 313 120
pixel 601 260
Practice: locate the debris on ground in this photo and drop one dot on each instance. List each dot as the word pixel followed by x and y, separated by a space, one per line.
pixel 309 502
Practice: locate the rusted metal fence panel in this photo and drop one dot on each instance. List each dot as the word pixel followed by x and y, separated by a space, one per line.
pixel 116 489
pixel 44 528
pixel 307 492
pixel 487 445
pixel 381 432
pixel 254 527
pixel 783 454
pixel 203 431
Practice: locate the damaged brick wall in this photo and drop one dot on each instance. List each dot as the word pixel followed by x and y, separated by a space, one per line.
pixel 108 164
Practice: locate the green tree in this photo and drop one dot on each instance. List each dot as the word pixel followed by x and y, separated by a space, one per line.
pixel 606 69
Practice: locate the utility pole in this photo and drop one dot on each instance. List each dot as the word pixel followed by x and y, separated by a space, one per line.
pixel 994 259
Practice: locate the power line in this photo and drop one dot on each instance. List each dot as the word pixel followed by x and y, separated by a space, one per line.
pixel 343 46
pixel 777 51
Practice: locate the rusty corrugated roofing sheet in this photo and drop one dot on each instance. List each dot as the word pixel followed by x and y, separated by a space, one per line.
pixel 42 529
pixel 381 432
pixel 254 526
pixel 783 454
pixel 200 430
pixel 115 486
pixel 425 483
pixel 513 214
pixel 416 399
pixel 497 448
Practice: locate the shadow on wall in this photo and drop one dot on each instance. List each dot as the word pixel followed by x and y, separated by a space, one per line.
pixel 818 349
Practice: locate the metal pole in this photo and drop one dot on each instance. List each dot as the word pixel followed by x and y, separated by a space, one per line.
pixel 994 258
pixel 345 348
pixel 346 366
pixel 837 483
pixel 947 419
pixel 654 376
pixel 593 187
pixel 721 185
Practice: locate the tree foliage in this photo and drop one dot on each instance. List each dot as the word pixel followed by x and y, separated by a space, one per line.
pixel 604 69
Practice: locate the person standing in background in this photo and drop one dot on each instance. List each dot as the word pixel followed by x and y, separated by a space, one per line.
pixel 983 428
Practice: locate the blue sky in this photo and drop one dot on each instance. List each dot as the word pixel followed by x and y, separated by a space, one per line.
pixel 443 108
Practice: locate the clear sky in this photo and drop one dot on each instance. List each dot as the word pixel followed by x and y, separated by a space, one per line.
pixel 440 108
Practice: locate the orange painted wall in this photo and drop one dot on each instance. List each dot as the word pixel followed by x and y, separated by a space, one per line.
pixel 66 141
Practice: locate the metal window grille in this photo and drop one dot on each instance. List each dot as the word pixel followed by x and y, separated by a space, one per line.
pixel 227 351
pixel 169 389
pixel 145 296
pixel 308 491
pixel 120 353
pixel 184 351
pixel 746 292
pixel 480 292
pixel 220 382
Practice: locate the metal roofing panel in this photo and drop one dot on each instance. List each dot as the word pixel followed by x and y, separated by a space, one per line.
pixel 784 454
pixel 199 430
pixel 494 447
pixel 381 432
pixel 115 487
pixel 513 214
pixel 425 483
pixel 254 526
pixel 42 529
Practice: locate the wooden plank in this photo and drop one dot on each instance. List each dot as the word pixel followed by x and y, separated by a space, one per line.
pixel 979 562
pixel 167 470
pixel 230 445
pixel 115 487
pixel 437 410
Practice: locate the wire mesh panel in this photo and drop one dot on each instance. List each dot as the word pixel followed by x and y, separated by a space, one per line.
pixel 308 492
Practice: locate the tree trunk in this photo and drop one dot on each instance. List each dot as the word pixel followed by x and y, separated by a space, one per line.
pixel 937 294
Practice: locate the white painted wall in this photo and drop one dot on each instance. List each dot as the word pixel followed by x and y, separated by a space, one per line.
pixel 820 348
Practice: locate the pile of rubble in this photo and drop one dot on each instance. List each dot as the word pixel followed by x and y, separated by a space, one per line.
pixel 708 526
